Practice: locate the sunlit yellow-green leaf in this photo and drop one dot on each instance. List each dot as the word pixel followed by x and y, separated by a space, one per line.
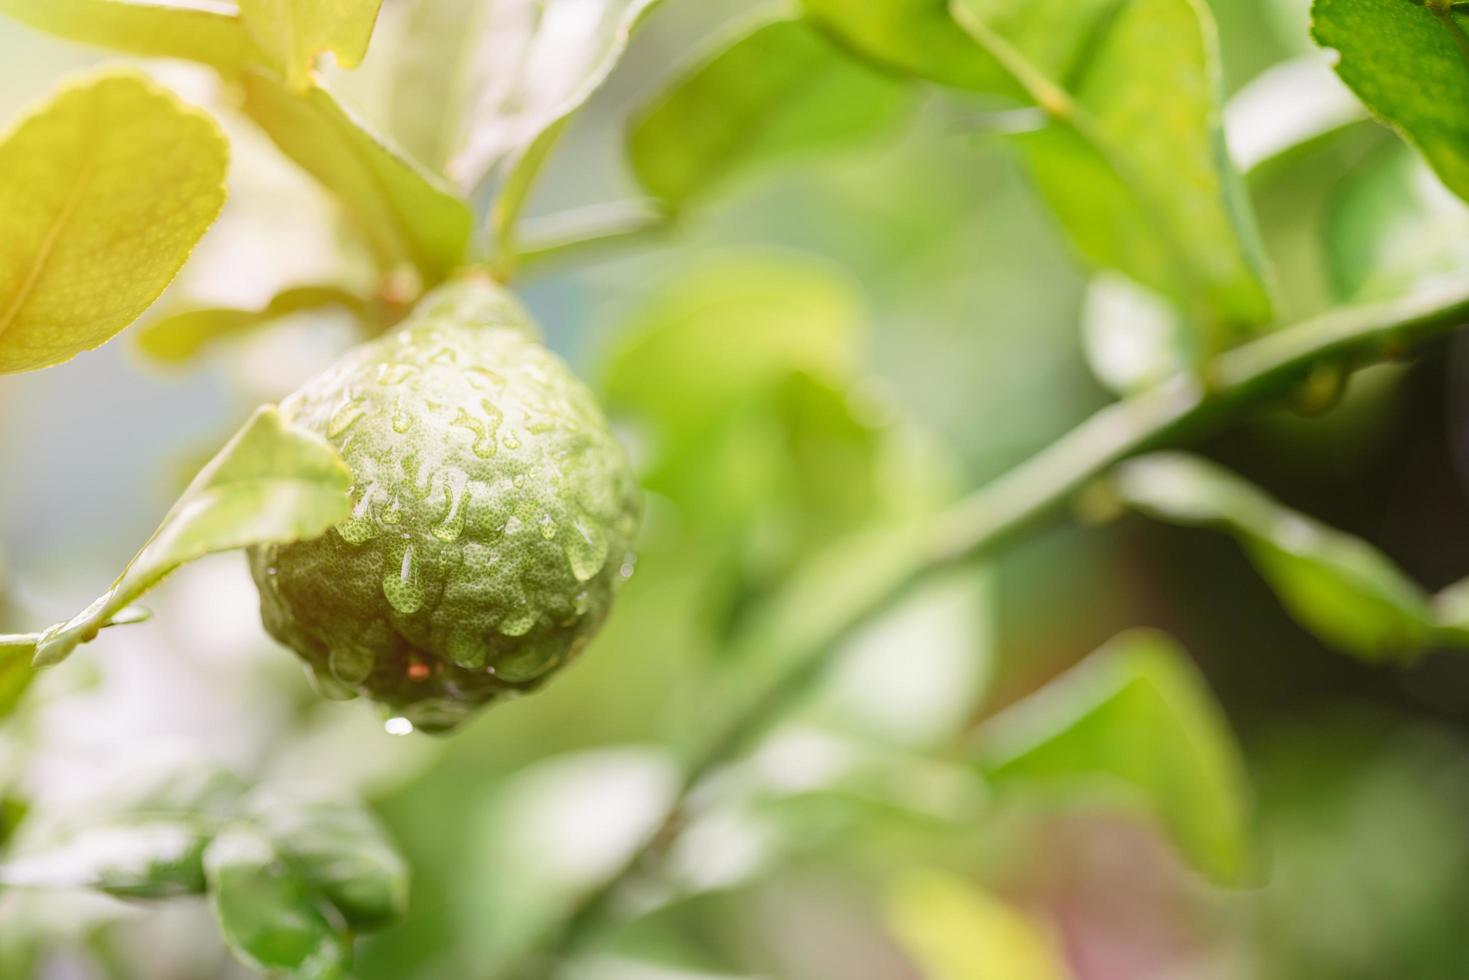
pixel 1138 716
pixel 271 483
pixel 403 213
pixel 209 33
pixel 1338 586
pixel 777 89
pixel 181 337
pixel 954 930
pixel 294 33
pixel 103 194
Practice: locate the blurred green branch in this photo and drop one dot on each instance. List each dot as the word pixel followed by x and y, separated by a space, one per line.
pixel 576 233
pixel 1173 413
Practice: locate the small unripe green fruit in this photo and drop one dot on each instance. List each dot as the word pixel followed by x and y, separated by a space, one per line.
pixel 493 515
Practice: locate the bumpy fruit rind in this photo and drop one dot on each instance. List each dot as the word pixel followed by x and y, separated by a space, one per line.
pixel 493 515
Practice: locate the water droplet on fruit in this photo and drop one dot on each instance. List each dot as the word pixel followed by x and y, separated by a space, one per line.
pixel 402 418
pixel 583 602
pixel 345 416
pixel 518 623
pixel 586 550
pixel 511 441
pixel 349 664
pixel 547 526
pixel 398 726
pixel 452 525
pixel 629 565
pixel 401 586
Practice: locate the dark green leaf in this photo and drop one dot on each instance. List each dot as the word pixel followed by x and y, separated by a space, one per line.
pixel 1136 713
pixel 1409 62
pixel 270 916
pixel 774 91
pixel 338 846
pixel 1338 586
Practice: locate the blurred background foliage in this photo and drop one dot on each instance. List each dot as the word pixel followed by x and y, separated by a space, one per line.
pixel 829 347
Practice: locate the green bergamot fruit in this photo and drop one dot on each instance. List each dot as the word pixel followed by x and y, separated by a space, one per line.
pixel 493 515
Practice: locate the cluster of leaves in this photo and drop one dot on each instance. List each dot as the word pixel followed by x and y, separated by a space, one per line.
pixel 292 871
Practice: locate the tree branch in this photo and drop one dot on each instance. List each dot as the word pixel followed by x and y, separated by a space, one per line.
pixel 1176 411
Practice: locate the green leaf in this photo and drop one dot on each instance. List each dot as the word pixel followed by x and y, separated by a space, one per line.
pixel 16 672
pixel 294 33
pixel 778 89
pixel 536 62
pixel 181 337
pixel 271 483
pixel 268 914
pixel 1390 227
pixel 1410 64
pixel 920 37
pixel 1285 111
pixel 1336 585
pixel 1134 163
pixel 103 194
pixel 212 35
pixel 156 857
pixel 338 846
pixel 405 215
pixel 729 326
pixel 1136 714
pixel 953 929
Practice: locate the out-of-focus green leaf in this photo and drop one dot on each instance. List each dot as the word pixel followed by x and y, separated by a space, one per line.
pixel 1132 336
pixel 337 845
pixel 777 90
pixel 103 194
pixel 553 832
pixel 294 33
pixel 1134 165
pixel 1338 586
pixel 180 337
pixel 954 930
pixel 211 34
pixel 1285 110
pixel 1391 226
pixel 920 37
pixel 16 672
pixel 267 913
pixel 729 326
pixel 1410 64
pixel 270 483
pixel 403 213
pixel 1136 713
pixel 534 63
pixel 141 858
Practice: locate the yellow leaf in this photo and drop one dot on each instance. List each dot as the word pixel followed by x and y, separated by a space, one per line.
pixel 294 33
pixel 103 194
pixel 953 930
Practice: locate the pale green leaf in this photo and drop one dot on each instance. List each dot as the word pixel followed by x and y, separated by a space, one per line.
pixel 295 33
pixel 211 34
pixel 270 483
pixel 1338 586
pixel 403 213
pixel 339 847
pixel 269 915
pixel 1409 63
pixel 777 89
pixel 1135 715
pixel 103 194
pixel 534 63
pixel 182 336
pixel 954 930
pixel 17 649
pixel 1390 226
pixel 1135 166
